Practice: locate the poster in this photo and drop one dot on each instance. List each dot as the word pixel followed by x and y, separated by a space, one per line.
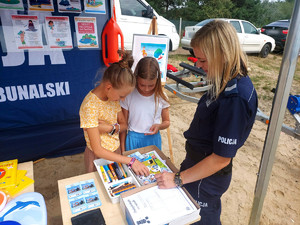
pixel 27 32
pixel 11 4
pixel 58 32
pixel 40 5
pixel 153 46
pixel 94 6
pixel 73 6
pixel 86 32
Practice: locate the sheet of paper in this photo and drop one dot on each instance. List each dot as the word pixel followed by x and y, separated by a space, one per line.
pixel 86 32
pixel 40 5
pixel 158 206
pixel 95 6
pixel 27 32
pixel 58 32
pixel 65 6
pixel 83 196
pixel 8 4
pixel 154 46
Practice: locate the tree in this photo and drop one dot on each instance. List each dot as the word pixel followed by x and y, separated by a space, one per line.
pixel 247 10
pixel 256 11
pixel 217 9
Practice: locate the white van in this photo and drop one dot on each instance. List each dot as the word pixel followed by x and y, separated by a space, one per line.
pixel 134 17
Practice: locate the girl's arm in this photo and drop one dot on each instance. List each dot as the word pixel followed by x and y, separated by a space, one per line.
pixel 165 117
pixel 123 133
pixel 105 127
pixel 122 120
pixel 208 166
pixel 94 136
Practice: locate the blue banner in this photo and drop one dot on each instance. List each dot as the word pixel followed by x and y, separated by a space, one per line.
pixel 41 90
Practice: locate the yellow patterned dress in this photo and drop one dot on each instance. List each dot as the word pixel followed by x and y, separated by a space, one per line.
pixel 92 110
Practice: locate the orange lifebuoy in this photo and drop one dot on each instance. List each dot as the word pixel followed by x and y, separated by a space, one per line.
pixel 110 42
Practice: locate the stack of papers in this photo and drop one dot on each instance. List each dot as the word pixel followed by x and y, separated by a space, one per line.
pixel 160 206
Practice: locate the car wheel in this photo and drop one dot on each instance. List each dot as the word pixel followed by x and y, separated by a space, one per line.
pixel 192 52
pixel 170 46
pixel 265 51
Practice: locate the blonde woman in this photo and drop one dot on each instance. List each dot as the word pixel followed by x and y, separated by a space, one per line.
pixel 222 121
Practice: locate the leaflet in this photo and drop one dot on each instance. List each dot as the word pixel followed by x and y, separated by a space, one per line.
pixel 154 163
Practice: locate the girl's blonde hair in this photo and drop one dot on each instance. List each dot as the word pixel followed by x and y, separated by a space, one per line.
pixel 148 68
pixel 119 74
pixel 219 42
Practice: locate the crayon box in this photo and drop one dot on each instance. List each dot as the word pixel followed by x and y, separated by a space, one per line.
pixel 115 177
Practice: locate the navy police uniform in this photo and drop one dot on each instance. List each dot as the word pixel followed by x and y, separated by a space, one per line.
pixel 221 127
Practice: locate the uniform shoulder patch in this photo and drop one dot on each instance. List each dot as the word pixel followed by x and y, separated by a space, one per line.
pixel 231 87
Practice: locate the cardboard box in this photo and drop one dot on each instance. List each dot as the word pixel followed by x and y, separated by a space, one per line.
pixel 193 216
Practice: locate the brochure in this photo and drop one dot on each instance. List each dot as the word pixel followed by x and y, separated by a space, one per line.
pixel 8 173
pixel 154 163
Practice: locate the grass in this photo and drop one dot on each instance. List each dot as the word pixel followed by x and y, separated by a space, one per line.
pixel 178 57
pixel 257 79
pixel 263 66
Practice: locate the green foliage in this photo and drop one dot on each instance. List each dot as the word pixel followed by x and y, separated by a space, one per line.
pixel 217 9
pixel 256 11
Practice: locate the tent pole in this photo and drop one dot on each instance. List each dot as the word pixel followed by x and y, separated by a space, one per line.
pixel 286 74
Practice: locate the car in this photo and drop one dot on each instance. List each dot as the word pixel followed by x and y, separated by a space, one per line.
pixel 135 16
pixel 277 30
pixel 251 39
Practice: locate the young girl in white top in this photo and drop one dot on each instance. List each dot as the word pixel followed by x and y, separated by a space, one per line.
pixel 102 118
pixel 146 109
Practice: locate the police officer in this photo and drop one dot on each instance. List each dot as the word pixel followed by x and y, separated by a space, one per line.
pixel 222 122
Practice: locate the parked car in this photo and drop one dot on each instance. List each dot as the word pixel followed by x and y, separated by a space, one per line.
pixel 277 30
pixel 251 39
pixel 135 16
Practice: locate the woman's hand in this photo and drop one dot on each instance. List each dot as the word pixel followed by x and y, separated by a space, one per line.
pixel 165 180
pixel 153 129
pixel 140 169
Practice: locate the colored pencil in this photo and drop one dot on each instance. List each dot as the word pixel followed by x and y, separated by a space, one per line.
pixel 108 172
pixel 121 167
pixel 118 171
pixel 103 173
pixel 113 171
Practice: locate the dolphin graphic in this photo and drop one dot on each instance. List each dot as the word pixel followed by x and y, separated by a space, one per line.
pixel 19 205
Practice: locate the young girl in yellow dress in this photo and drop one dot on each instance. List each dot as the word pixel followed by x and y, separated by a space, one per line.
pixel 102 119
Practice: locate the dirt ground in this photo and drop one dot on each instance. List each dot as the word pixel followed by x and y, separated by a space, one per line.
pixel 282 202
